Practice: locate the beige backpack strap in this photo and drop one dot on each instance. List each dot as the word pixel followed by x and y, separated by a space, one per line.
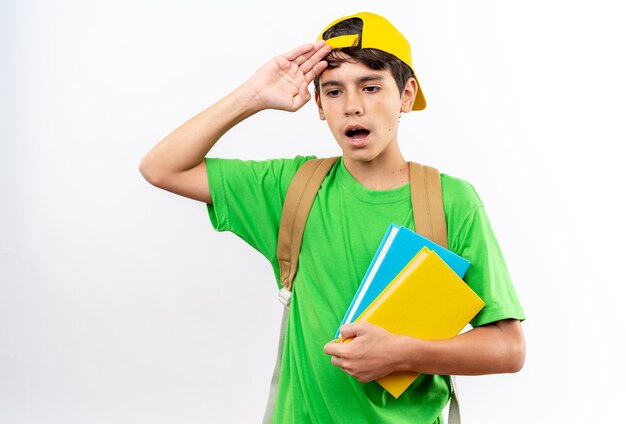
pixel 430 221
pixel 298 202
pixel 427 202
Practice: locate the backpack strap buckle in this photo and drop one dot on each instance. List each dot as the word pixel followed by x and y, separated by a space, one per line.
pixel 284 296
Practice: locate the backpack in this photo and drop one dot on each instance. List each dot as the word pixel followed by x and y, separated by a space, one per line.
pixel 428 215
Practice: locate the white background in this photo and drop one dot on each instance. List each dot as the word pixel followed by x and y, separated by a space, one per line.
pixel 120 304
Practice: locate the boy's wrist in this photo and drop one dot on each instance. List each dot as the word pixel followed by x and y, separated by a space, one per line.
pixel 257 95
pixel 251 97
pixel 409 354
pixel 241 103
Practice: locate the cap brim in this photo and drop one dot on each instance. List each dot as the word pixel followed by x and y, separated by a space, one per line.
pixel 420 100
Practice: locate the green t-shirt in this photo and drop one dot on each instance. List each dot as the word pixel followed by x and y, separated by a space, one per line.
pixel 345 226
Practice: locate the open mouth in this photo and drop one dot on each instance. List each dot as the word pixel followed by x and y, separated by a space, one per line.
pixel 357 133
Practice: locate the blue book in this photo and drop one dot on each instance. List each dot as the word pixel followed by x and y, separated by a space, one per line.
pixel 398 247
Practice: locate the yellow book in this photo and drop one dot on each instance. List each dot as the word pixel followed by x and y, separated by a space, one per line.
pixel 426 300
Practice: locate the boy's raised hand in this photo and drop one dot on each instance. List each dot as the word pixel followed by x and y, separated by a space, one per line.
pixel 282 83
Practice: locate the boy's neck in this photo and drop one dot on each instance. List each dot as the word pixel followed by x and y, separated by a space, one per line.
pixel 384 172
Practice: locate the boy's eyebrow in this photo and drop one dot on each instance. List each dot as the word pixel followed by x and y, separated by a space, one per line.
pixel 366 78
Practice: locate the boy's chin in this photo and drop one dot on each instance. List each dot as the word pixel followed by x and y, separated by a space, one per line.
pixel 360 156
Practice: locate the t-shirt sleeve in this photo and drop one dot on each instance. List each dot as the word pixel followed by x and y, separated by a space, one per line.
pixel 248 197
pixel 488 274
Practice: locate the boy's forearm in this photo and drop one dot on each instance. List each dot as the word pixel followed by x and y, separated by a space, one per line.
pixel 490 349
pixel 279 84
pixel 373 352
pixel 188 145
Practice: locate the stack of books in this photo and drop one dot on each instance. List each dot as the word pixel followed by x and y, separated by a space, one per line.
pixel 413 287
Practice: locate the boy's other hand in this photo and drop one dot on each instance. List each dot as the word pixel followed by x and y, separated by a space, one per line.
pixel 369 355
pixel 282 83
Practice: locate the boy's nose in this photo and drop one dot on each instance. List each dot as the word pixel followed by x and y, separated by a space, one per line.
pixel 353 105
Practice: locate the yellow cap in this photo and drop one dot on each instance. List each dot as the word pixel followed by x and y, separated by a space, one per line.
pixel 378 33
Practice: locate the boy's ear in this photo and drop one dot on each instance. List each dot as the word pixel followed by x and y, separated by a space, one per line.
pixel 408 94
pixel 319 106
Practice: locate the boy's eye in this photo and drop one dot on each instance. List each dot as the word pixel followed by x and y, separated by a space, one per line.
pixel 332 93
pixel 371 89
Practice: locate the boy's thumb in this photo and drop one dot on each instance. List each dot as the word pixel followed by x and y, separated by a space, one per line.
pixel 348 331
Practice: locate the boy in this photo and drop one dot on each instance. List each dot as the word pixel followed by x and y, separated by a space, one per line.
pixel 363 81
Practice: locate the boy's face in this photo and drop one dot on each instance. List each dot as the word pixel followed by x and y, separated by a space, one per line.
pixel 362 107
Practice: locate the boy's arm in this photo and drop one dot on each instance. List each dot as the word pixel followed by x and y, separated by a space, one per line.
pixel 374 352
pixel 176 164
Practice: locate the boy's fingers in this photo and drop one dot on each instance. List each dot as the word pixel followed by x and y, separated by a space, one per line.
pixel 348 331
pixel 307 55
pixel 294 54
pixel 302 54
pixel 320 51
pixel 332 348
pixel 317 69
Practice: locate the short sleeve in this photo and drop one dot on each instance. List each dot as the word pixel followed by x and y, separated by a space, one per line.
pixel 470 235
pixel 248 197
pixel 488 274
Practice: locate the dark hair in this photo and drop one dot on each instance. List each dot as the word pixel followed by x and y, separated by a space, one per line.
pixel 372 58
